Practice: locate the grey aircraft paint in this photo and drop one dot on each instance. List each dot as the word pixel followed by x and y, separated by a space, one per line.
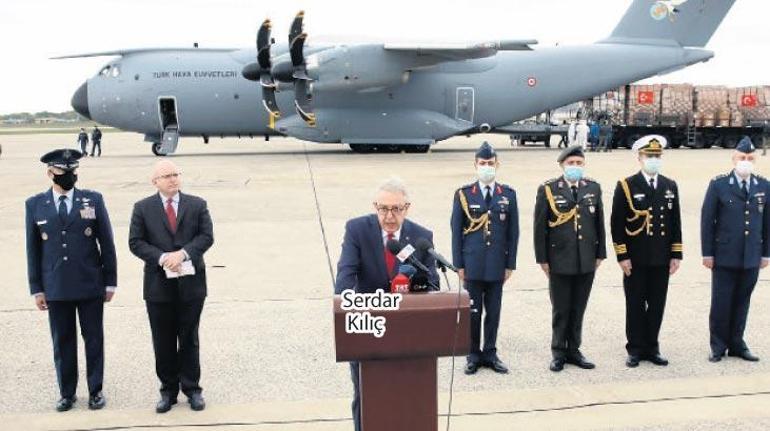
pixel 385 95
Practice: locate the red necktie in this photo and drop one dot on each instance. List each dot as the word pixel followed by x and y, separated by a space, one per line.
pixel 390 258
pixel 171 215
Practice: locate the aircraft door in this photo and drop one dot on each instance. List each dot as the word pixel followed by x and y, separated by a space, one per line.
pixel 464 105
pixel 169 124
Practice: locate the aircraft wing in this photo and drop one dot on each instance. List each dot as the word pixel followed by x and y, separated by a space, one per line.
pixel 458 52
pixel 123 52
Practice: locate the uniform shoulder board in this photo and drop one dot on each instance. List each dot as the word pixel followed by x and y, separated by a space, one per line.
pixel 551 181
pixel 506 187
pixel 760 177
pixel 590 180
pixel 719 177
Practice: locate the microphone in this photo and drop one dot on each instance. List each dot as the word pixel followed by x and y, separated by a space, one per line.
pixel 400 283
pixel 405 254
pixel 407 270
pixel 425 245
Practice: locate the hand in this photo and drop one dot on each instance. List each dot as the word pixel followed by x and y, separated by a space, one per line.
pixel 625 265
pixel 546 269
pixel 173 261
pixel 461 274
pixel 598 263
pixel 708 262
pixel 508 273
pixel 673 266
pixel 763 264
pixel 40 302
pixel 108 296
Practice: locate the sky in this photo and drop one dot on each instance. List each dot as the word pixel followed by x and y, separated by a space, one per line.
pixel 32 31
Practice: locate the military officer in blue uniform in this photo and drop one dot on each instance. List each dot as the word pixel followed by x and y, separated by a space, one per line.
pixel 485 237
pixel 569 246
pixel 735 242
pixel 647 235
pixel 72 270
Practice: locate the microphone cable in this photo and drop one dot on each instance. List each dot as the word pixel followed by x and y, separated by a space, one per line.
pixel 318 213
pixel 454 346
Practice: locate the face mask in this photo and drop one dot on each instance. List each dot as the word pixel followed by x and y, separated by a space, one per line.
pixel 744 168
pixel 486 174
pixel 573 174
pixel 652 165
pixel 66 180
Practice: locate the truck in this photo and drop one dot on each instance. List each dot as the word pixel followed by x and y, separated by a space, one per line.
pixel 694 116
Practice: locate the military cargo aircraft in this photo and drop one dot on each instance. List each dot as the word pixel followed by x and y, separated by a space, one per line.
pixel 382 97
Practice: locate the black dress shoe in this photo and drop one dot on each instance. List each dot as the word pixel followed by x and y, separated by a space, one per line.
pixel 746 355
pixel 471 368
pixel 65 404
pixel 96 401
pixel 657 359
pixel 498 366
pixel 632 361
pixel 715 357
pixel 164 404
pixel 581 362
pixel 196 401
pixel 557 365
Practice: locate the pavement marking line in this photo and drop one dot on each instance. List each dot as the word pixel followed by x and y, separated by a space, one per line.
pixel 582 407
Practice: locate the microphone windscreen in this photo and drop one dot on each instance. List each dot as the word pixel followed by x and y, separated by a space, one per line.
pixel 407 270
pixel 423 244
pixel 393 246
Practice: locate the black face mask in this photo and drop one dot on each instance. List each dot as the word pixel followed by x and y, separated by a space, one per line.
pixel 66 180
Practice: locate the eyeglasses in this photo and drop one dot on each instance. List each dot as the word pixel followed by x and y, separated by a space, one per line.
pixel 169 176
pixel 396 210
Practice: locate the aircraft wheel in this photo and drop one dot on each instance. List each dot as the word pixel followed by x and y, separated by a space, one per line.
pixel 156 149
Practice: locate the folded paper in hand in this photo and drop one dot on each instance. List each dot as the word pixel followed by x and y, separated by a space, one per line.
pixel 186 268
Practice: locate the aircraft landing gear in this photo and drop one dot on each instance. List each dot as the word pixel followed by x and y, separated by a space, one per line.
pixel 389 148
pixel 156 149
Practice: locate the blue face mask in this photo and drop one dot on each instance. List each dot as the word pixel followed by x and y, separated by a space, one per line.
pixel 652 165
pixel 573 174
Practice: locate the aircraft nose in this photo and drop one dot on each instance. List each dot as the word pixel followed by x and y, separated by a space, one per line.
pixel 80 101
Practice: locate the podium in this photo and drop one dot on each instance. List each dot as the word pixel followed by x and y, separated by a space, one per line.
pixel 398 372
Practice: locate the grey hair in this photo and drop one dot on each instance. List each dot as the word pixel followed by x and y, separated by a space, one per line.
pixel 394 185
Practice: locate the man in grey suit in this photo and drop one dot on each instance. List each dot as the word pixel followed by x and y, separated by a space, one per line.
pixel 170 231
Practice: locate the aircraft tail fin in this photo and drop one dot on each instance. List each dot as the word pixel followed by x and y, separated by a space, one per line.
pixel 684 22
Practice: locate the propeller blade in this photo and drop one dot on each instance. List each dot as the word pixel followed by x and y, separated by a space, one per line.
pixel 295 46
pixel 302 102
pixel 263 45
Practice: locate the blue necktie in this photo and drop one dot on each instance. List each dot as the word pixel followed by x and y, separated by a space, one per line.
pixel 62 209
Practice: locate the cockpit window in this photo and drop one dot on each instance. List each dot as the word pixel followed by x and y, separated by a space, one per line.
pixel 110 70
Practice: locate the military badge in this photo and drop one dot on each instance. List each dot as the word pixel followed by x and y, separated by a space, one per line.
pixel 592 209
pixel 502 216
pixel 88 213
pixel 88 231
pixel 44 236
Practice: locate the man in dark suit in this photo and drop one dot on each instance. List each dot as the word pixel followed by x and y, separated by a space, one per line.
pixel 170 231
pixel 647 235
pixel 735 241
pixel 366 264
pixel 485 239
pixel 569 246
pixel 72 269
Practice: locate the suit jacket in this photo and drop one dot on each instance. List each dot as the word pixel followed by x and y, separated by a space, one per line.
pixel 362 262
pixel 71 261
pixel 150 236
pixel 485 255
pixel 735 229
pixel 570 248
pixel 653 240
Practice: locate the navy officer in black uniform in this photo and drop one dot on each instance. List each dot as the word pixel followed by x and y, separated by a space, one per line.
pixel 72 270
pixel 735 242
pixel 569 246
pixel 485 237
pixel 647 236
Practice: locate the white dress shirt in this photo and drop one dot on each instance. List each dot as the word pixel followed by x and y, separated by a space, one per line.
pixel 483 186
pixel 654 179
pixel 70 196
pixel 175 205
pixel 396 236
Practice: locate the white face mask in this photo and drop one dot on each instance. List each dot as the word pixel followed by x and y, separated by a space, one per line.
pixel 744 168
pixel 486 174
